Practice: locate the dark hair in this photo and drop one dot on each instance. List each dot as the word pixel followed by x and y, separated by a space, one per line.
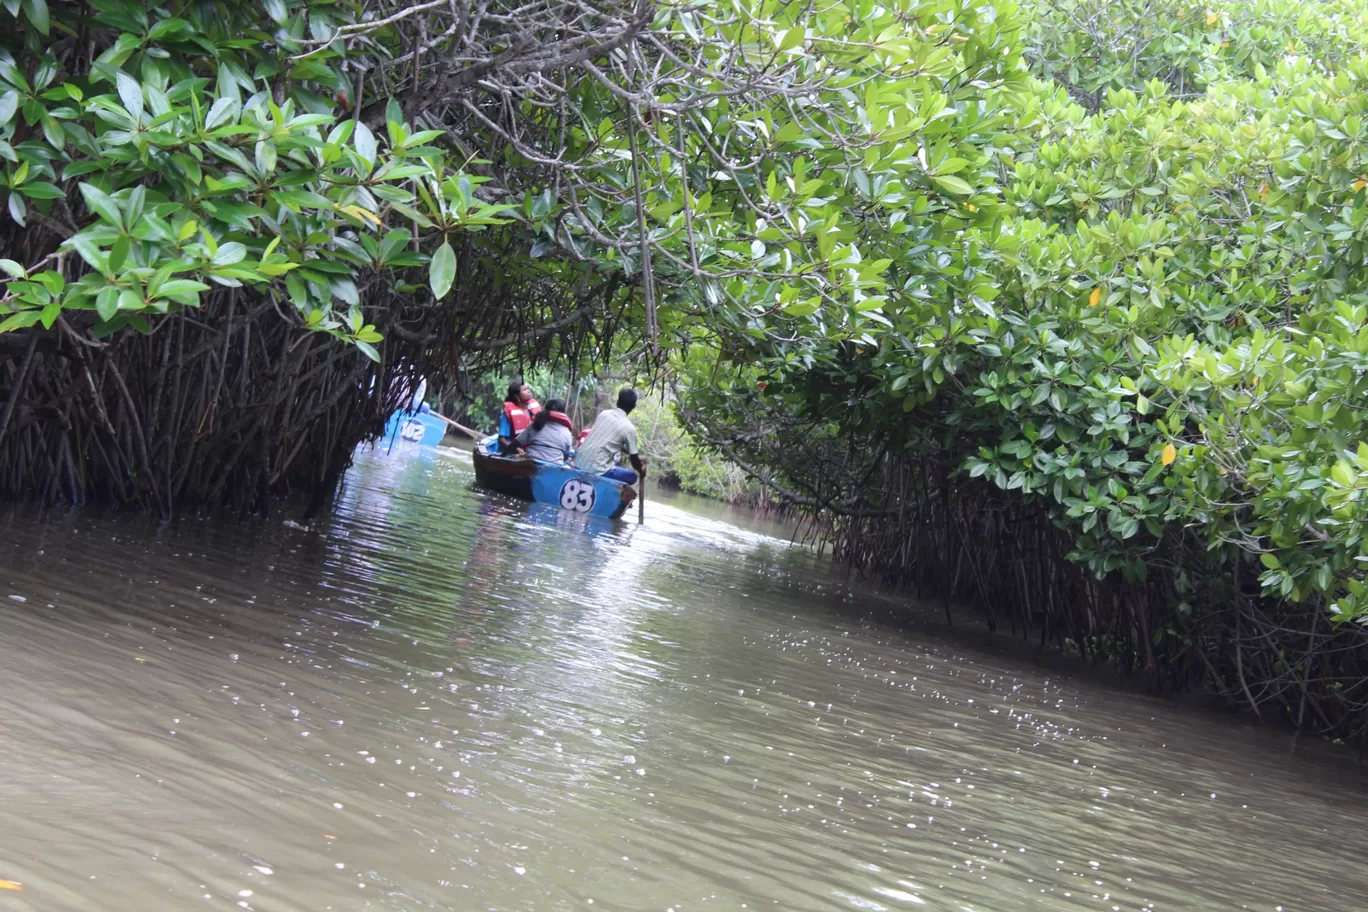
pixel 627 399
pixel 552 405
pixel 515 392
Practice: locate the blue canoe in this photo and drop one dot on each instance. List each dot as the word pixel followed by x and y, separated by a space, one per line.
pixel 415 427
pixel 562 486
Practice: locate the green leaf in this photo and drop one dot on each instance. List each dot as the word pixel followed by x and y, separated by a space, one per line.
pixel 41 190
pixel 367 349
pixel 181 287
pixel 422 136
pixel 130 93
pixel 37 11
pixel 166 27
pixel 130 300
pixel 230 253
pixel 13 268
pixel 1343 474
pixel 118 252
pixel 297 200
pixel 224 110
pixel 442 270
pixel 345 290
pixel 365 143
pixel 107 302
pixel 298 291
pixel 9 104
pixel 1270 561
pixel 952 184
pixel 102 204
pixel 96 258
pixel 21 320
pixel 50 313
pixel 265 156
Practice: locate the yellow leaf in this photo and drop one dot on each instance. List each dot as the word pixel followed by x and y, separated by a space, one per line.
pixel 1263 189
pixel 1095 298
pixel 361 214
pixel 10 885
pixel 1359 184
pixel 1170 453
pixel 1212 17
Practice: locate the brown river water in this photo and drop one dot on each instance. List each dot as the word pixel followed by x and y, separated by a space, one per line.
pixel 439 699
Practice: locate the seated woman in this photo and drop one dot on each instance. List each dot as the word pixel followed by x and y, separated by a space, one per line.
pixel 519 409
pixel 550 436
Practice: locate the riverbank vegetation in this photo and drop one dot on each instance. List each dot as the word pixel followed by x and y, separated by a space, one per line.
pixel 1056 311
pixel 1125 411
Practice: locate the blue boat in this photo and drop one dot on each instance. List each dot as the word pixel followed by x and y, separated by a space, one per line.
pixel 422 428
pixel 543 482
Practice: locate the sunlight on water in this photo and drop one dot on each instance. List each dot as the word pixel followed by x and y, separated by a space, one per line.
pixel 439 699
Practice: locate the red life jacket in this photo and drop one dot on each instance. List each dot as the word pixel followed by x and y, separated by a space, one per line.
pixel 579 441
pixel 562 419
pixel 518 418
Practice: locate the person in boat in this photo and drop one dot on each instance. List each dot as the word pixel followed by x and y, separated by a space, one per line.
pixel 613 432
pixel 550 437
pixel 519 409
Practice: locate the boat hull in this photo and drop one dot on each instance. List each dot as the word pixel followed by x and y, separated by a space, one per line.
pixel 413 427
pixel 562 486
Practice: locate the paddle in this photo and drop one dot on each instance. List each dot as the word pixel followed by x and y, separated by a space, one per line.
pixel 462 428
pixel 641 496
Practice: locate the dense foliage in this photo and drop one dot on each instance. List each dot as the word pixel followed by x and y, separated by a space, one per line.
pixel 1151 335
pixel 199 167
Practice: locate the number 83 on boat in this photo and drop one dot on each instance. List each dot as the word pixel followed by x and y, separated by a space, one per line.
pixel 561 485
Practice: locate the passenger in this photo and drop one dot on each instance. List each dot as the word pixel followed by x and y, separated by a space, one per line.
pixel 551 435
pixel 612 433
pixel 518 411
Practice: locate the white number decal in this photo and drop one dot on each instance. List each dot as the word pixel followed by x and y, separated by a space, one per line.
pixel 577 495
pixel 413 430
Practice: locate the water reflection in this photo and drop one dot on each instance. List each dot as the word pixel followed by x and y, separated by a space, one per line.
pixel 439 699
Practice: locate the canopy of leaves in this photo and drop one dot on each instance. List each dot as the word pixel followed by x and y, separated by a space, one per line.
pixel 1146 314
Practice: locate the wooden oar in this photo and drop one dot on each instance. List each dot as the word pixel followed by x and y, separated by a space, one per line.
pixel 641 498
pixel 462 428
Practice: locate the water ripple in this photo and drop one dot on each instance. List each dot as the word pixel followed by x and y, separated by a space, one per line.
pixel 439 699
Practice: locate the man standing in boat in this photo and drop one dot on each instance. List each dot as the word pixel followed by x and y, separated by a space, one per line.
pixel 519 409
pixel 613 432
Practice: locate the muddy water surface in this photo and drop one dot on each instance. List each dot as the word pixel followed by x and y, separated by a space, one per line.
pixel 437 699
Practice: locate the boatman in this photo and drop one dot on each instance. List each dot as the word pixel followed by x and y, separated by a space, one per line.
pixel 613 432
pixel 519 409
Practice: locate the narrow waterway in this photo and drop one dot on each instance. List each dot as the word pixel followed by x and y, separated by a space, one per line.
pixel 439 699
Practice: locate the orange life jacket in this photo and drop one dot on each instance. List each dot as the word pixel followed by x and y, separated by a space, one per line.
pixel 518 418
